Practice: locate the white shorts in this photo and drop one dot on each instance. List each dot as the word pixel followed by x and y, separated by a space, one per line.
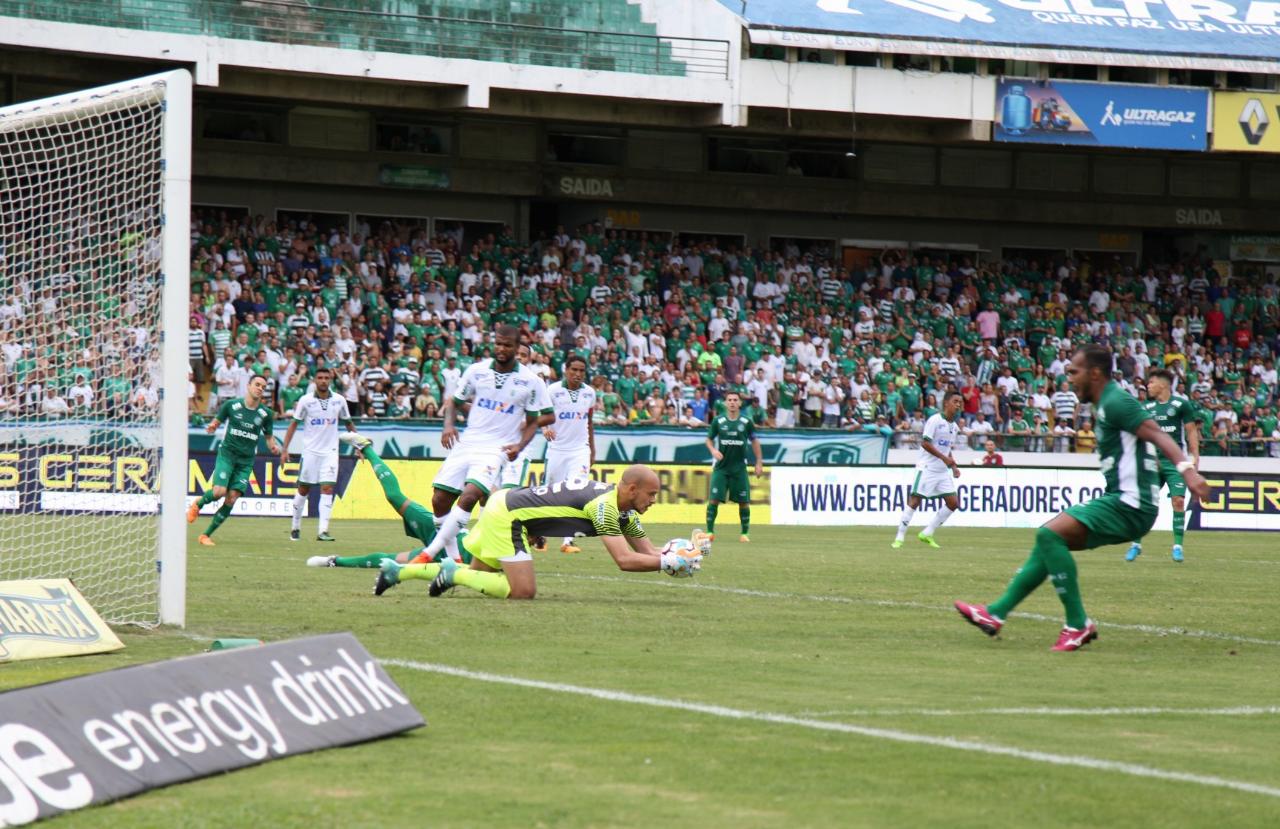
pixel 318 468
pixel 929 484
pixel 515 473
pixel 477 465
pixel 561 466
pixel 785 418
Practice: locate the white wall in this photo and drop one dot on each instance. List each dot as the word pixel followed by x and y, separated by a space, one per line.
pixel 1080 460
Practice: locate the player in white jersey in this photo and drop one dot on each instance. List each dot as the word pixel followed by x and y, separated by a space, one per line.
pixel 935 471
pixel 508 404
pixel 320 413
pixel 516 472
pixel 571 439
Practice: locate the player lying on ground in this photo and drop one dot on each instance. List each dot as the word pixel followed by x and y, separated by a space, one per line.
pixel 1127 509
pixel 935 471
pixel 501 564
pixel 1177 417
pixel 248 419
pixel 727 438
pixel 419 522
pixel 320 414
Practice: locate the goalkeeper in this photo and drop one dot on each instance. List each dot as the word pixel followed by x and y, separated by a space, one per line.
pixel 502 566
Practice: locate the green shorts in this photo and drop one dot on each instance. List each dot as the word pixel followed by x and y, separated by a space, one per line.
pixel 730 485
pixel 419 522
pixel 1111 521
pixel 232 473
pixel 1170 477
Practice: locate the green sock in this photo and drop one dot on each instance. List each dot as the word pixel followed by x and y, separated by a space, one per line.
pixel 386 478
pixel 223 513
pixel 1179 523
pixel 207 498
pixel 487 582
pixel 1062 572
pixel 712 509
pixel 744 515
pixel 1030 575
pixel 371 561
pixel 420 571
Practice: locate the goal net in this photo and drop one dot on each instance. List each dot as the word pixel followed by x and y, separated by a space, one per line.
pixel 94 204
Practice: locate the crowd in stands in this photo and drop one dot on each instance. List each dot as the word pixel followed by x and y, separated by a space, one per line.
pixel 669 326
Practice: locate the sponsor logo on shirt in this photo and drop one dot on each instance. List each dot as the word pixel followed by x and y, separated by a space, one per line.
pixel 496 405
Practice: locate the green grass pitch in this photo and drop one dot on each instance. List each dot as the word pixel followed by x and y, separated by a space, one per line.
pixel 823 626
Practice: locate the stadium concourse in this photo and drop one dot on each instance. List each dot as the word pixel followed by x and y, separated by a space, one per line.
pixel 668 325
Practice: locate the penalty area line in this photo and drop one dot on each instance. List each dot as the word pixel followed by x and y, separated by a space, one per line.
pixel 1138 711
pixel 892 735
pixel 894 603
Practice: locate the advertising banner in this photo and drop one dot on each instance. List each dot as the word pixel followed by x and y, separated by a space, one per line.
pixel 40 618
pixel 1255 248
pixel 1239 502
pixel 1101 115
pixel 635 444
pixel 68 478
pixel 1223 29
pixel 989 497
pixel 97 738
pixel 1246 122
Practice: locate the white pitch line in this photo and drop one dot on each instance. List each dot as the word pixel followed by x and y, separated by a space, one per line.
pixel 1236 711
pixel 1091 763
pixel 769 594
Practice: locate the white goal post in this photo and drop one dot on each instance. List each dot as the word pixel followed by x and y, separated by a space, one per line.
pixel 95 193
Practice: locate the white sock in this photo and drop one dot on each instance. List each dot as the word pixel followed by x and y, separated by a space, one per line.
pixel 326 510
pixel 447 531
pixel 299 504
pixel 905 522
pixel 568 539
pixel 943 514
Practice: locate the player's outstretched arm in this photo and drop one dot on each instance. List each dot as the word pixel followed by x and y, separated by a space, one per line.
pixel 288 436
pixel 1150 432
pixel 628 559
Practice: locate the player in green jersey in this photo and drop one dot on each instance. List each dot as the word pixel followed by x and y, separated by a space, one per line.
pixel 729 475
pixel 1178 418
pixel 1127 438
pixel 248 420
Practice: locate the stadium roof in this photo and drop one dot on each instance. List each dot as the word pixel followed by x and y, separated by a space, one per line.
pixel 1233 35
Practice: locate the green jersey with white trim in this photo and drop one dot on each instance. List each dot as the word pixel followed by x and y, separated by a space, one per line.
pixel 1173 416
pixel 731 436
pixel 1129 465
pixel 245 427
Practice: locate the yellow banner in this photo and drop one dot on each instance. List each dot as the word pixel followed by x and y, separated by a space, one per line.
pixel 1246 122
pixel 681 500
pixel 41 618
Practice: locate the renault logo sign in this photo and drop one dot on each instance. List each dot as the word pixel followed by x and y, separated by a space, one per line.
pixel 1254 121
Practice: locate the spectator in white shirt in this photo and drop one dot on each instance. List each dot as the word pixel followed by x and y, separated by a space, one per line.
pixel 53 405
pixel 81 394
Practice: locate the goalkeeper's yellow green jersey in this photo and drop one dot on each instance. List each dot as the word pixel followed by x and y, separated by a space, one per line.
pixel 580 507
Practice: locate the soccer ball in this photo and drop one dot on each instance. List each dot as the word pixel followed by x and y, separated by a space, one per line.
pixel 681 547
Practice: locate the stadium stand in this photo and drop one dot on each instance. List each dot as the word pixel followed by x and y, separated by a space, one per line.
pixel 603 35
pixel 669 325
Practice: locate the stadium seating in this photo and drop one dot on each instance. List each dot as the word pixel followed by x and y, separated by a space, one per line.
pixel 605 35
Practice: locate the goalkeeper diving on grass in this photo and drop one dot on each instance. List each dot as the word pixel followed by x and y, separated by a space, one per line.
pixel 501 563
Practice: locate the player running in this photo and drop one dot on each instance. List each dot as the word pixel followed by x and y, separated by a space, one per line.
pixel 320 413
pixel 502 566
pixel 248 419
pixel 571 440
pixel 515 472
pixel 1177 417
pixel 1127 509
pixel 508 405
pixel 729 474
pixel 936 471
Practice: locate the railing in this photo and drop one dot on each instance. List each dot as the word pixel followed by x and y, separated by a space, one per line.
pixel 478 36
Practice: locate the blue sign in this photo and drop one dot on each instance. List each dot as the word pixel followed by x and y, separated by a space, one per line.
pixel 1214 30
pixel 1101 115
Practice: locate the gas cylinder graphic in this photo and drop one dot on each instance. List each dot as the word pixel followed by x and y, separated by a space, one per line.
pixel 1015 111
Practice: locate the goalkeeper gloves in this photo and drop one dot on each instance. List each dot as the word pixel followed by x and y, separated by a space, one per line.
pixel 681 566
pixel 701 542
